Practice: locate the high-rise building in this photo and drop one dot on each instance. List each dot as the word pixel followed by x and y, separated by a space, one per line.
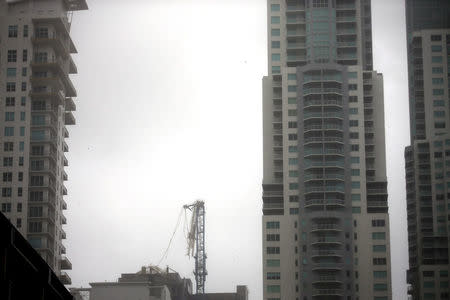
pixel 325 208
pixel 427 159
pixel 36 105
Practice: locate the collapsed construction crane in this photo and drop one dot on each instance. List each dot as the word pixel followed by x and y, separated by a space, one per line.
pixel 196 243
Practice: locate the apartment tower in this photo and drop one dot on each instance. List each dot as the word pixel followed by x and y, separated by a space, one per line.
pixel 325 208
pixel 36 105
pixel 427 159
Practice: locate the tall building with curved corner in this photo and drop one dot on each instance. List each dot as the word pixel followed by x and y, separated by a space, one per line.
pixel 36 105
pixel 427 158
pixel 325 201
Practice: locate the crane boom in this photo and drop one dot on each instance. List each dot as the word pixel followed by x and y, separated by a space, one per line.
pixel 196 243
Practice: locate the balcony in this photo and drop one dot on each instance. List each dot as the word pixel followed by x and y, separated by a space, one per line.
pixel 325 227
pixel 333 189
pixel 63 204
pixel 63 234
pixel 327 240
pixel 65 263
pixel 65 147
pixel 308 177
pixel 56 41
pixel 327 266
pixel 327 293
pixel 308 91
pixel 325 279
pixel 65 279
pixel 326 253
pixel 296 46
pixel 347 44
pixel 345 19
pixel 69 119
pixel 346 31
pixel 347 57
pixel 54 64
pixel 64 192
pixel 322 202
pixel 63 220
pixel 44 92
pixel 295 21
pixel 70 105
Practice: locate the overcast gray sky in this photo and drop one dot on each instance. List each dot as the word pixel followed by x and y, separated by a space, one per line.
pixel 169 110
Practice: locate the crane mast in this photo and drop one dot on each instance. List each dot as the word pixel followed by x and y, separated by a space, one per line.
pixel 196 243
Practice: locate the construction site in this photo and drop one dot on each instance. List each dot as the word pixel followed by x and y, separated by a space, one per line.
pixel 153 282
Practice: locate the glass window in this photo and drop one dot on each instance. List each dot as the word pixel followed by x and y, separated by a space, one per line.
pixel 292 100
pixel 352 75
pixel 273 225
pixel 293 186
pixel 378 235
pixel 9 116
pixel 437 70
pixel 380 287
pixel 353 111
pixel 438 103
pixel 293 161
pixel 9 131
pixel 438 80
pixel 436 48
pixel 436 59
pixel 273 263
pixel 293 149
pixel 356 185
pixel 293 211
pixel 292 88
pixel 275 20
pixel 354 160
pixel 276 44
pixel 292 76
pixel 275 32
pixel 25 30
pixel 12 55
pixel 355 172
pixel 11 72
pixel 276 69
pixel 356 209
pixel 273 289
pixel 379 248
pixel 293 173
pixel 380 274
pixel 22 131
pixel 276 57
pixel 22 116
pixel 356 197
pixel 12 31
pixel 275 7
pixel 438 92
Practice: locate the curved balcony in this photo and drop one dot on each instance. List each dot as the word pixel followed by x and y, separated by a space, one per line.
pixel 323 127
pixel 327 241
pixel 327 279
pixel 322 202
pixel 324 164
pixel 321 189
pixel 327 293
pixel 309 91
pixel 322 177
pixel 327 266
pixel 321 140
pixel 325 227
pixel 326 253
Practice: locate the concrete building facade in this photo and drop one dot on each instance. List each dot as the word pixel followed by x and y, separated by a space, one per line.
pixel 36 105
pixel 427 159
pixel 325 209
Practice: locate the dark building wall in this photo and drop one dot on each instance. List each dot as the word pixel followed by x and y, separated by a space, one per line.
pixel 23 272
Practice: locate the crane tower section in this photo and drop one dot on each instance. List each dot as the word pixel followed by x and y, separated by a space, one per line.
pixel 196 243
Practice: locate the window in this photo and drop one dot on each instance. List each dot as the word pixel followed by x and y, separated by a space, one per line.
pixel 356 210
pixel 292 124
pixel 6 207
pixel 19 192
pixel 24 71
pixel 273 289
pixel 436 59
pixel 11 72
pixel 12 31
pixel 292 76
pixel 380 287
pixel 25 55
pixel 275 20
pixel 35 226
pixel 439 113
pixel 9 116
pixel 273 263
pixel 276 69
pixel 275 32
pixel 353 123
pixel 275 7
pixel 293 211
pixel 293 198
pixel 292 100
pixel 293 161
pixel 436 38
pixel 320 3
pixel 355 172
pixel 379 261
pixel 438 103
pixel 20 176
pixel 8 146
pixel 293 149
pixel 25 30
pixel 276 57
pixel 12 55
pixel 7 176
pixel 10 87
pixel 22 116
pixel 438 92
pixel 378 235
pixel 437 70
pixel 354 148
pixel 24 87
pixel 10 101
pixel 273 237
pixel 293 186
pixel 352 75
pixel 7 161
pixel 276 44
pixel 9 131
pixel 379 248
pixel 436 48
pixel 354 159
pixel 273 225
pixel 356 185
pixel 352 87
pixel 273 250
pixel 20 161
pixel 6 192
pixel 273 275
pixel 292 136
pixel 21 146
pixel 353 99
pixel 380 274
pixel 23 101
pixel 293 173
pixel 292 88
pixel 292 112
pixel 19 223
pixel 356 197
pixel 22 131
pixel 378 223
pixel 354 135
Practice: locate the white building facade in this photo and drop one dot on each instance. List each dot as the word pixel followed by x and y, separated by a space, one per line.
pixel 325 209
pixel 36 105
